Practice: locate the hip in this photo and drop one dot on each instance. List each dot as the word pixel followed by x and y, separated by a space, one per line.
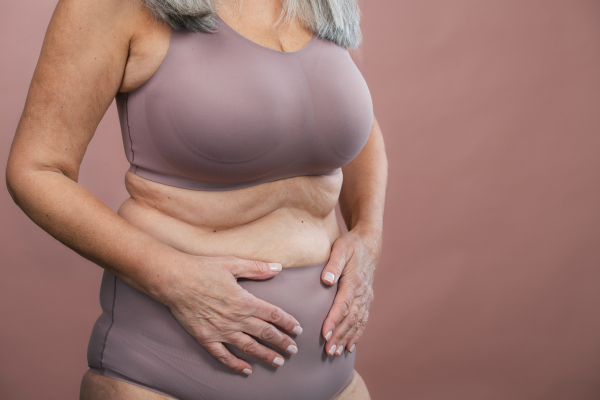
pixel 138 340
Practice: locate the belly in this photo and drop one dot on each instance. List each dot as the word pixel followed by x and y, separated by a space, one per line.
pixel 137 340
pixel 291 221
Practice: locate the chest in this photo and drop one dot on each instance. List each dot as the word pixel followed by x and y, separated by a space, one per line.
pixel 221 108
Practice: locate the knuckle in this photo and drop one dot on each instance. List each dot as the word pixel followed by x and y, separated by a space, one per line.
pixel 275 314
pixel 224 358
pixel 243 299
pixel 365 319
pixel 268 332
pixel 361 324
pixel 353 318
pixel 200 335
pixel 362 321
pixel 257 267
pixel 239 307
pixel 338 267
pixel 250 347
pixel 361 291
pixel 360 331
pixel 345 307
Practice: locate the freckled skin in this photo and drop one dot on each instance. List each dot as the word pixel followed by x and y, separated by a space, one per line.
pixel 160 225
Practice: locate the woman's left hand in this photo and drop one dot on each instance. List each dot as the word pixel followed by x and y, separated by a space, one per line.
pixel 353 259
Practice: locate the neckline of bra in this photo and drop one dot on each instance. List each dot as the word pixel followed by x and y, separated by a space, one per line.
pixel 260 46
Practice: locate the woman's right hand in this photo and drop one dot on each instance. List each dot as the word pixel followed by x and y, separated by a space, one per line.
pixel 206 299
pixel 77 76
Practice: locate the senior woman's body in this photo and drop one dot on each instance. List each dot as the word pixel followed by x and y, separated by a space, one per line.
pixel 180 246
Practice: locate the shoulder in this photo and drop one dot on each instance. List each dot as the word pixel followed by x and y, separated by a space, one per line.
pixel 122 17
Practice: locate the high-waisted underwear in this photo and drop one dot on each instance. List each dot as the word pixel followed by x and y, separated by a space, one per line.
pixel 136 339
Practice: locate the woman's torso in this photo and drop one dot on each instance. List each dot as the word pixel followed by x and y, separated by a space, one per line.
pixel 291 221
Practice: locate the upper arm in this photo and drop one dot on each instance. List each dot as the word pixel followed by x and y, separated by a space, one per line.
pixel 78 73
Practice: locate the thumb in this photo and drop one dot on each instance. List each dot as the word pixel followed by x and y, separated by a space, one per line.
pixel 253 269
pixel 337 261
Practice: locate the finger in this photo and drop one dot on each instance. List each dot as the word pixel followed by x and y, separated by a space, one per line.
pixel 339 338
pixel 351 345
pixel 275 315
pixel 251 269
pixel 225 357
pixel 265 331
pixel 351 329
pixel 346 329
pixel 341 306
pixel 340 254
pixel 251 347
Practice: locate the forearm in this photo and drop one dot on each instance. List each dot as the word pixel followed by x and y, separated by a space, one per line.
pixel 78 219
pixel 354 255
pixel 362 196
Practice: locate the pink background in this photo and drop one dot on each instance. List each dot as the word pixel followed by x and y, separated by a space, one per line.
pixel 489 283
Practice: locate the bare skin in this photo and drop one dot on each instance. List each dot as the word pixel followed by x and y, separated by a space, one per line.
pixel 98 387
pixel 166 241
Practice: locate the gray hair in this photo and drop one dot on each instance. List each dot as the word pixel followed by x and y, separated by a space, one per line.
pixel 333 20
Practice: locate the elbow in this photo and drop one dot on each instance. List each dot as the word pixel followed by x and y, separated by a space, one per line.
pixel 23 179
pixel 16 176
pixel 13 175
pixel 10 191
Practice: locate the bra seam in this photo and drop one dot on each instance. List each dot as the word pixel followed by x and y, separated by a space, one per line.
pixel 128 128
pixel 112 321
pixel 160 67
pixel 312 103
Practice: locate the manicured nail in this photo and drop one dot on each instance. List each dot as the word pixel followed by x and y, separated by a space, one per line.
pixel 351 349
pixel 292 349
pixel 339 350
pixel 274 266
pixel 331 350
pixel 247 371
pixel 278 361
pixel 329 277
pixel 328 336
pixel 297 330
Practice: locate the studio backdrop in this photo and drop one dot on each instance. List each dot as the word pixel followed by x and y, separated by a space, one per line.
pixel 489 282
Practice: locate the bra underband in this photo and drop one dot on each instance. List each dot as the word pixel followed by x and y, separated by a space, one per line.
pixel 223 112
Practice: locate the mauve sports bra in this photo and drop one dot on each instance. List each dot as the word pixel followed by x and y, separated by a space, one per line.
pixel 223 112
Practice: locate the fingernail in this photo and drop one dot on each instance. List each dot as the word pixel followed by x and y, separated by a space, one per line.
pixel 339 350
pixel 274 266
pixel 297 330
pixel 278 361
pixel 292 349
pixel 247 371
pixel 331 350
pixel 351 349
pixel 329 277
pixel 328 336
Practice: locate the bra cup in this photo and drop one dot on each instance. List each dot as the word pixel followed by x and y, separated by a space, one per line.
pixel 342 106
pixel 221 113
pixel 214 139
